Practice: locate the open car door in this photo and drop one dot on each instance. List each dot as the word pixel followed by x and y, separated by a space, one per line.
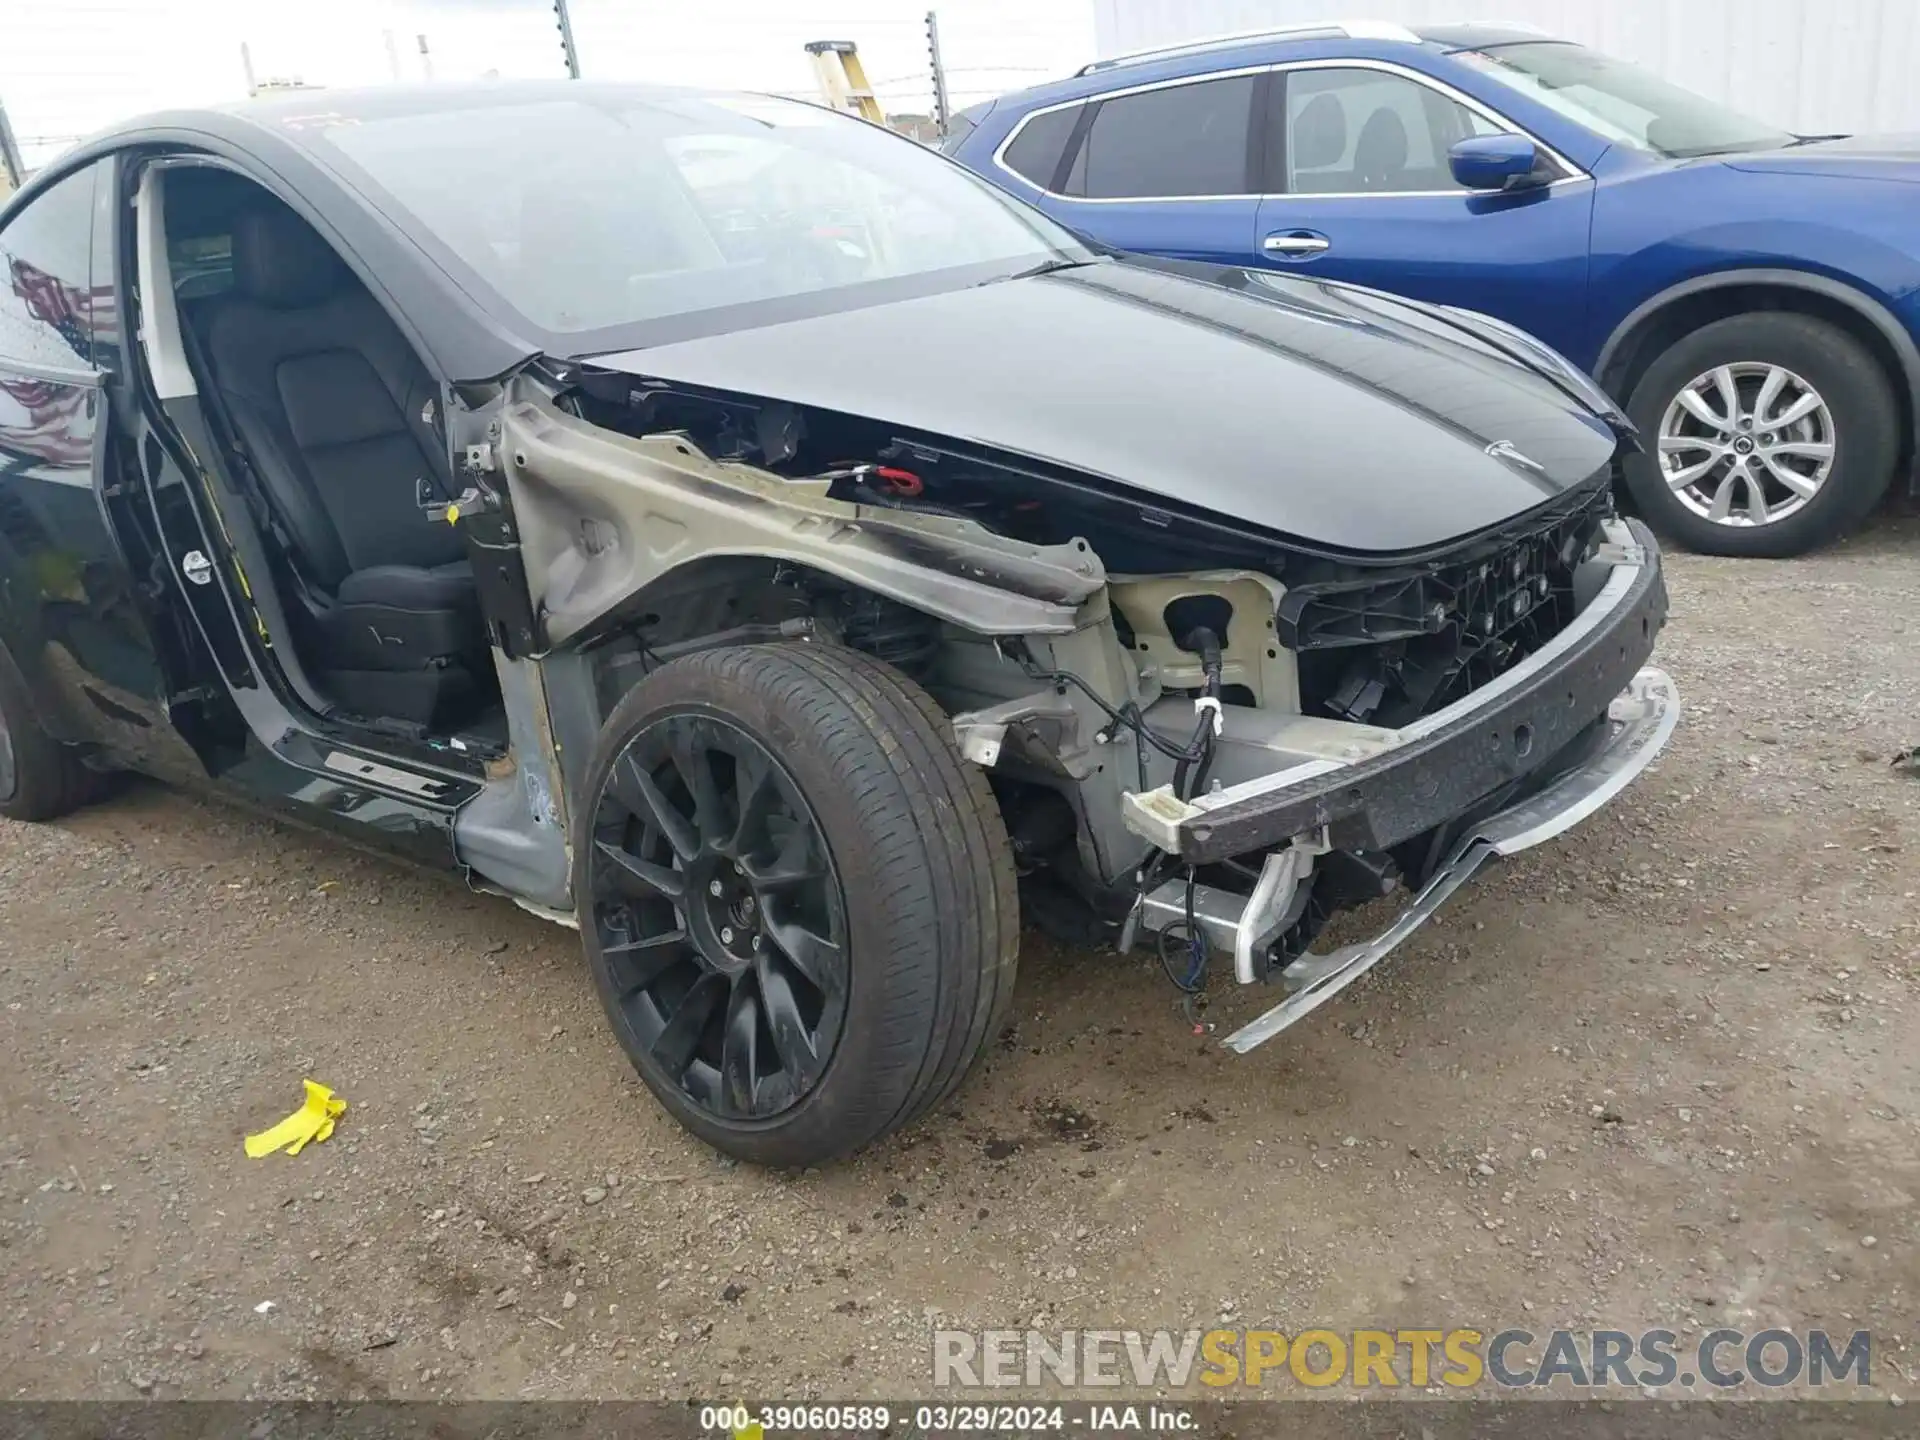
pixel 93 628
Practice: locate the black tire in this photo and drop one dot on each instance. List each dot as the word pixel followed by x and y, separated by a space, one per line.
pixel 1857 391
pixel 40 779
pixel 917 857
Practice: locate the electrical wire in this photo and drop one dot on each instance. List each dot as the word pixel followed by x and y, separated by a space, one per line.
pixel 1194 760
pixel 1200 753
pixel 1190 774
pixel 1127 716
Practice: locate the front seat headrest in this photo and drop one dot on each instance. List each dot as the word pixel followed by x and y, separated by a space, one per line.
pixel 1320 134
pixel 1381 153
pixel 280 262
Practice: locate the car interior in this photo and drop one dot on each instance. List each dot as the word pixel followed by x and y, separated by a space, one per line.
pixel 1400 145
pixel 332 426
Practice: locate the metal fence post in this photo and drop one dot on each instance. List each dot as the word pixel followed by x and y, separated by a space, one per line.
pixel 10 163
pixel 942 115
pixel 566 38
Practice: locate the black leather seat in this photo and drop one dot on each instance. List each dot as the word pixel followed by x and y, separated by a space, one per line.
pixel 1319 142
pixel 1380 154
pixel 337 416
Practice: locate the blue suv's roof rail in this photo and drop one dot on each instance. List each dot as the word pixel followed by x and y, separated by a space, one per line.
pixel 1343 30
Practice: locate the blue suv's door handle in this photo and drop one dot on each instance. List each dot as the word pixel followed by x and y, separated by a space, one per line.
pixel 1296 244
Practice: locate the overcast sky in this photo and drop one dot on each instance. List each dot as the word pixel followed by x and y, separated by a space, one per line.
pixel 69 67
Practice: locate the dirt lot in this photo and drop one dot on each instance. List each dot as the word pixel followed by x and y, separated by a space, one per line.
pixel 1662 1071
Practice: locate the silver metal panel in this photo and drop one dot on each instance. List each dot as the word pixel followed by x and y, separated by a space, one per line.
pixel 514 833
pixel 1217 912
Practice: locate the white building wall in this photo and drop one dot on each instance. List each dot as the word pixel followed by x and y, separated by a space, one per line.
pixel 1812 66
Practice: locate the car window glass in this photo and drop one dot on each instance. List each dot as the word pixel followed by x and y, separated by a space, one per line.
pixel 585 216
pixel 48 304
pixel 1036 150
pixel 746 188
pixel 1182 140
pixel 1621 101
pixel 1366 131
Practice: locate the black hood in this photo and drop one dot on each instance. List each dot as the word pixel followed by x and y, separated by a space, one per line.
pixel 1334 415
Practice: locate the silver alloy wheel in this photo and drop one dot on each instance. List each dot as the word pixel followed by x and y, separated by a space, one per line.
pixel 1746 444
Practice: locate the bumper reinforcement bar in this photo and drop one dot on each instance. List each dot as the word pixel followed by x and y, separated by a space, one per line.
pixel 1505 731
pixel 1640 721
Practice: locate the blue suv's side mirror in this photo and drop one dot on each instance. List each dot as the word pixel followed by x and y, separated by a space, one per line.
pixel 1495 162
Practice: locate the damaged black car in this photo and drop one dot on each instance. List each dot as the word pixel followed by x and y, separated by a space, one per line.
pixel 746 536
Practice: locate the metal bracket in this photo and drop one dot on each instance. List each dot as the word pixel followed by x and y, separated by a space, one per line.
pixel 1272 905
pixel 448 512
pixel 1244 926
pixel 982 734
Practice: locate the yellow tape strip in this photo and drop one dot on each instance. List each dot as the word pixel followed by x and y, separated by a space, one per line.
pixel 311 1122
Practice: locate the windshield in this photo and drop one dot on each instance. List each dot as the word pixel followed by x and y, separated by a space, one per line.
pixel 605 213
pixel 1623 102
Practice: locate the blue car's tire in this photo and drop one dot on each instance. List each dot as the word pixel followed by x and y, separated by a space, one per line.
pixel 1723 475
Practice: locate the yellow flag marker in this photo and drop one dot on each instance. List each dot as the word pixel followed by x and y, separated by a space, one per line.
pixel 755 1431
pixel 312 1121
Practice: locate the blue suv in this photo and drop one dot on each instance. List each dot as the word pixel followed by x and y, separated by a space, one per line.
pixel 1752 297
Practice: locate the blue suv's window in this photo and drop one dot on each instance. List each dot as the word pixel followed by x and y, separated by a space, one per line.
pixel 1355 131
pixel 1180 140
pixel 1622 102
pixel 1035 152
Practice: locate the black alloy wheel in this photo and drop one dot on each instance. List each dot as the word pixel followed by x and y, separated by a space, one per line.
pixel 9 780
pixel 811 799
pixel 40 779
pixel 720 912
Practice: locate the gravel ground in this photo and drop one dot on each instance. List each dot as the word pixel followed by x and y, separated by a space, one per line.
pixel 1658 1072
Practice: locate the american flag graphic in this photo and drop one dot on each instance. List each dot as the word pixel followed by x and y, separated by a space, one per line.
pixel 38 418
pixel 75 312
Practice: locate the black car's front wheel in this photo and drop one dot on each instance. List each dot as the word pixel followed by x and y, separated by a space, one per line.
pixel 40 779
pixel 1766 434
pixel 797 900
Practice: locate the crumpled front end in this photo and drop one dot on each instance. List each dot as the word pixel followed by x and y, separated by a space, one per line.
pixel 1504 766
pixel 1202 734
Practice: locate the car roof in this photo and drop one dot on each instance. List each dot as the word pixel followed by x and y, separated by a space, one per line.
pixel 284 110
pixel 1385 32
pixel 1250 47
pixel 1378 30
pixel 280 136
pixel 1482 37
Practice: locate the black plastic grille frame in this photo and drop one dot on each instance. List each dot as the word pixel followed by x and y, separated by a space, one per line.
pixel 1387 648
